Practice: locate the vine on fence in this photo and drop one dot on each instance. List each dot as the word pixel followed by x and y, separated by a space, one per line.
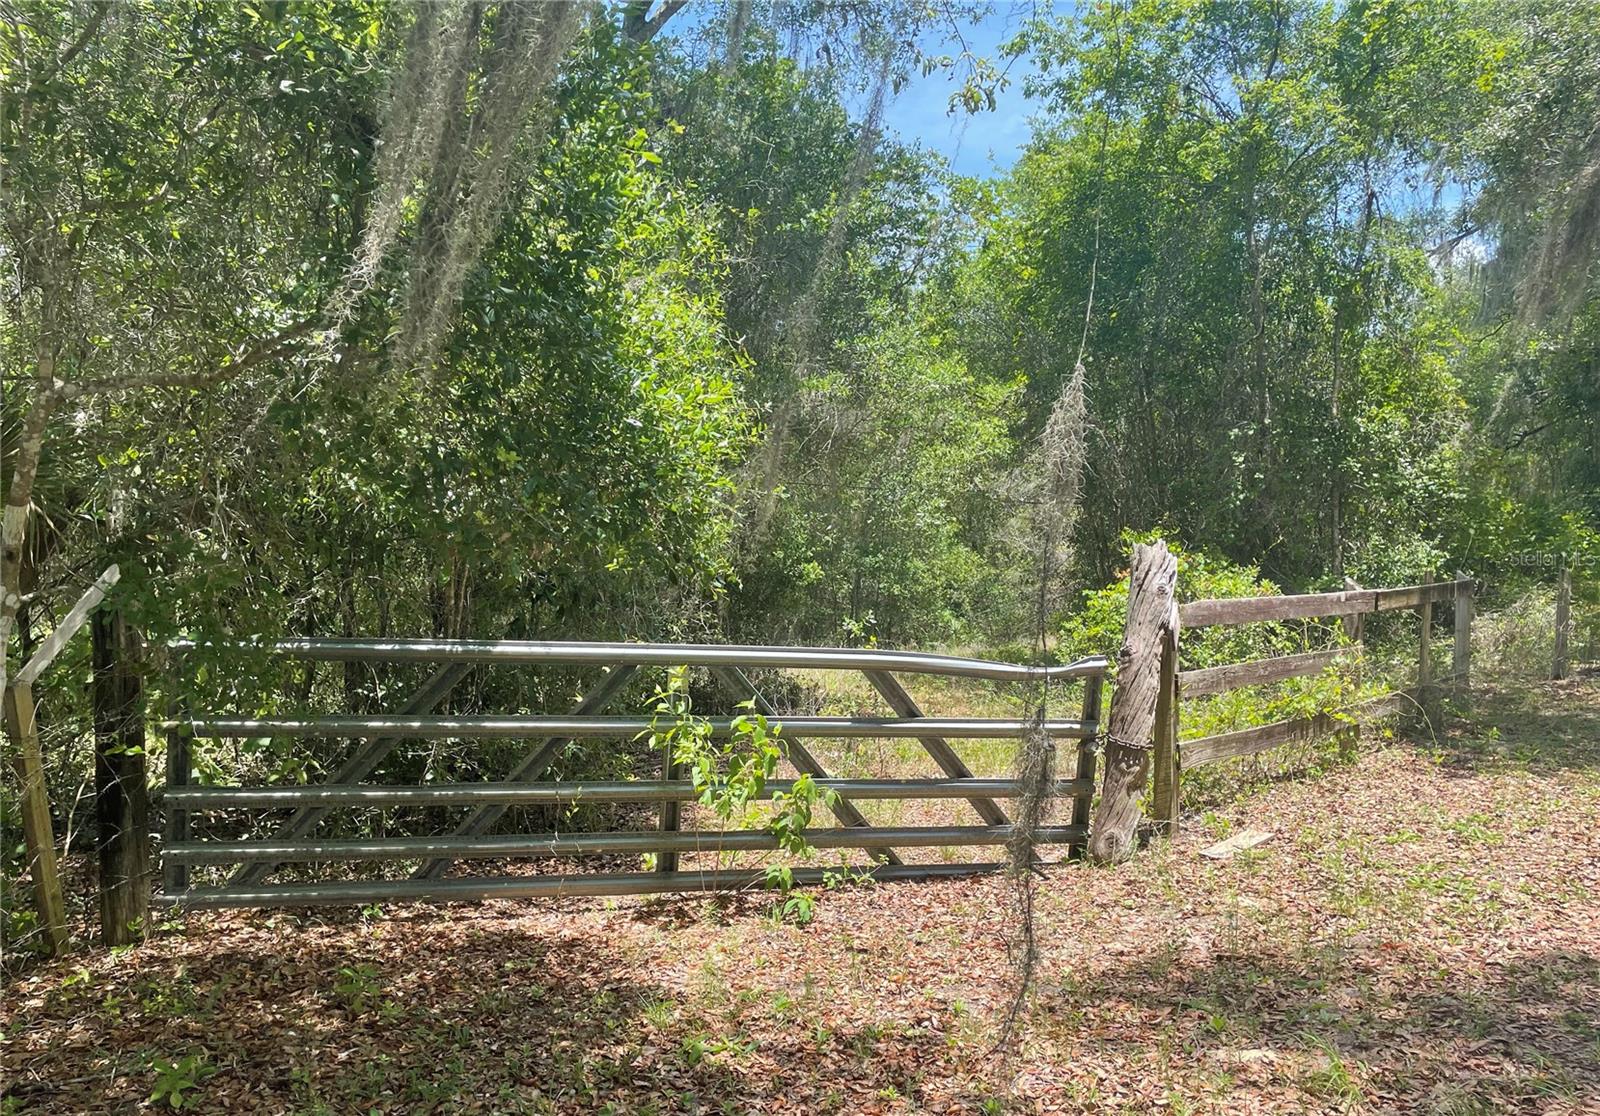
pixel 730 776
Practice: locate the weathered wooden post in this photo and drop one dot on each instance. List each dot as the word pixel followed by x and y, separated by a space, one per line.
pixel 1562 659
pixel 1129 739
pixel 22 726
pixel 1164 756
pixel 1354 625
pixel 37 832
pixel 1427 696
pixel 1461 661
pixel 122 808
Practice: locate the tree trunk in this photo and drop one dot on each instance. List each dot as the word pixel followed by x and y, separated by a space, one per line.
pixel 1152 617
pixel 122 807
pixel 639 26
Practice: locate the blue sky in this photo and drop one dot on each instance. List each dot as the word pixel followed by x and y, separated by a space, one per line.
pixel 975 145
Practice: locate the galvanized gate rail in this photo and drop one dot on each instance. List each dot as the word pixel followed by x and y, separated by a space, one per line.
pixel 380 734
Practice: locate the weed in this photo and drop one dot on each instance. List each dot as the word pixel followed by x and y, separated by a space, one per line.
pixel 799 909
pixel 1475 828
pixel 356 987
pixel 174 1080
pixel 694 1050
pixel 1332 1079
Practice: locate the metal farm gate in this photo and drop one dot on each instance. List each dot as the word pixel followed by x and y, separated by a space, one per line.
pixel 482 805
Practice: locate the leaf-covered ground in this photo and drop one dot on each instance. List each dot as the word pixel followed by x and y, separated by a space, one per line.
pixel 1422 934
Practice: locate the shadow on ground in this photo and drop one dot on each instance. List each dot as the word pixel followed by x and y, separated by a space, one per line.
pixel 478 1016
pixel 1546 728
pixel 1336 1024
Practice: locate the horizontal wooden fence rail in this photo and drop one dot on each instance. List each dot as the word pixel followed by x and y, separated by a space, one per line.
pixel 1349 606
pixel 1262 738
pixel 300 839
pixel 1257 672
pixel 1251 610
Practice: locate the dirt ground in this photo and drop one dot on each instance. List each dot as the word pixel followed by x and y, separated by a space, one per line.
pixel 1421 934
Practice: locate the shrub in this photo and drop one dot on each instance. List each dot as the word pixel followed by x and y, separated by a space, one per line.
pixel 1518 641
pixel 1097 628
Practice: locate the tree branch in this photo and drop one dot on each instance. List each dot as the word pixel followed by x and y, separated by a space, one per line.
pixel 639 28
pixel 85 37
pixel 1526 434
pixel 273 347
pixel 1450 244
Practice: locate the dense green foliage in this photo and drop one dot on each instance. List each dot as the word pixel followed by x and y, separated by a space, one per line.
pixel 1281 365
pixel 572 448
pixel 731 361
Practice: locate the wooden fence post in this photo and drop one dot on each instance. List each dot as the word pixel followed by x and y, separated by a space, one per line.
pixel 1093 690
pixel 1354 626
pixel 1562 660
pixel 1427 692
pixel 1129 739
pixel 23 728
pixel 1164 757
pixel 1461 661
pixel 122 801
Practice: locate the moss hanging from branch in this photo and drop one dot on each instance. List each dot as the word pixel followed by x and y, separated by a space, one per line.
pixel 1062 455
pixel 412 126
pixel 470 95
pixel 802 339
pixel 1563 257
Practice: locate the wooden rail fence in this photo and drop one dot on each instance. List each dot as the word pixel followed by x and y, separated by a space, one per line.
pixel 1350 606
